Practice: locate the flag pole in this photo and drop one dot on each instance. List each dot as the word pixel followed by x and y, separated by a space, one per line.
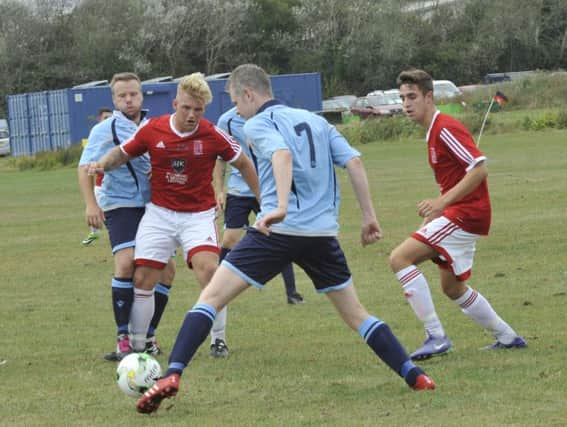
pixel 484 121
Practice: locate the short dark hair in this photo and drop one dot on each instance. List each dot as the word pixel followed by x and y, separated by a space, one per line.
pixel 416 77
pixel 103 110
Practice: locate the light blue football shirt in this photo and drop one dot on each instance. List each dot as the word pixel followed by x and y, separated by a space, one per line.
pixel 118 188
pixel 232 123
pixel 316 147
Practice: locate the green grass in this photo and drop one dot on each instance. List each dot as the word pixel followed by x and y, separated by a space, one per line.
pixel 297 365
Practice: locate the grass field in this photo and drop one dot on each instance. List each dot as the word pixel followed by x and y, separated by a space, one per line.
pixel 297 365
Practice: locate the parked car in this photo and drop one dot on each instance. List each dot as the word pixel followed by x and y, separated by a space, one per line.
pixel 470 88
pixel 375 92
pixel 393 95
pixel 376 106
pixel 4 142
pixel 445 90
pixel 346 100
pixel 334 110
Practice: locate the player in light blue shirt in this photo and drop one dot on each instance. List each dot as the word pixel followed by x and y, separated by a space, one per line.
pixel 240 202
pixel 232 123
pixel 296 151
pixel 119 203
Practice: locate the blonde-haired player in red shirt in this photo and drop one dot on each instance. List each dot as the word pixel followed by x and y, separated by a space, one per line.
pixel 183 148
pixel 452 223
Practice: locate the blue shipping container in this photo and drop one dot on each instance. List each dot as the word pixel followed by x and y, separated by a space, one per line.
pixel 45 121
pixel 38 122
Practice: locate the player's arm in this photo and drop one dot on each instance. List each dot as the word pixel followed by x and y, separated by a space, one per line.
pixel 218 183
pixel 248 172
pixel 111 160
pixel 282 170
pixel 371 230
pixel 433 208
pixel 93 213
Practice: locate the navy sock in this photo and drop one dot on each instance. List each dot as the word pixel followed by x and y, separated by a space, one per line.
pixel 122 297
pixel 223 253
pixel 161 296
pixel 384 343
pixel 194 330
pixel 289 280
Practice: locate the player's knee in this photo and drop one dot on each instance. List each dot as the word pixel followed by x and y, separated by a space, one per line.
pixel 204 272
pixel 168 273
pixel 455 290
pixel 124 263
pixel 143 279
pixel 124 268
pixel 397 260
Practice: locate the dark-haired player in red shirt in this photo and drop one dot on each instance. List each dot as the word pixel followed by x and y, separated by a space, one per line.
pixel 452 223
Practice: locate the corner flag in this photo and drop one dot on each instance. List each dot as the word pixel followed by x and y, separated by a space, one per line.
pixel 500 98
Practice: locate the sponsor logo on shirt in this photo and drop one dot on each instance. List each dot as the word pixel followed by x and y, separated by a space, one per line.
pixel 178 165
pixel 177 177
pixel 160 145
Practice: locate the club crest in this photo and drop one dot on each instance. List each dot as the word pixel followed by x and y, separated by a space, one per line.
pixel 198 147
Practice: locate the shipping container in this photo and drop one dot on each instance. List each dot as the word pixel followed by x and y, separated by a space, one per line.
pixel 46 121
pixel 38 122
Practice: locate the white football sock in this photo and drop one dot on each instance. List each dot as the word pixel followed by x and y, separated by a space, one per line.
pixel 475 306
pixel 219 326
pixel 417 293
pixel 141 317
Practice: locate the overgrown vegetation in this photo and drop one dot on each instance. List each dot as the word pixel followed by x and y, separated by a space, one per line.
pixel 534 103
pixel 48 160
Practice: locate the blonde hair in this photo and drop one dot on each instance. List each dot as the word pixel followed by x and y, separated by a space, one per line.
pixel 124 77
pixel 196 87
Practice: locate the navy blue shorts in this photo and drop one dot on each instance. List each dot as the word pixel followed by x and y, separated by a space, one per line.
pixel 237 210
pixel 122 225
pixel 258 258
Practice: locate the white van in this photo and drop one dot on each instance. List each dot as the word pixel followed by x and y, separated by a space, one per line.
pixel 445 89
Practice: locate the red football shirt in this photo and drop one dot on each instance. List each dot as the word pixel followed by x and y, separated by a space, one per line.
pixel 182 163
pixel 452 153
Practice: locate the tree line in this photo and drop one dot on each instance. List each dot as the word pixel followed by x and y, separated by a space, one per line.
pixel 357 45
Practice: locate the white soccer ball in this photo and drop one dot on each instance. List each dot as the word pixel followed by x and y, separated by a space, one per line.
pixel 136 373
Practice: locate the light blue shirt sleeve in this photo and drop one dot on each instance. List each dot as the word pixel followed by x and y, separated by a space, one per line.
pixel 265 138
pixel 119 189
pixel 233 124
pixel 341 150
pixel 99 143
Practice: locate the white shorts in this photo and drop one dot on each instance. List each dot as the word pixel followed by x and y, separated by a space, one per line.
pixel 162 230
pixel 455 246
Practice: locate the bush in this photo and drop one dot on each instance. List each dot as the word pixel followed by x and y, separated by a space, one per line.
pixel 48 160
pixel 548 119
pixel 380 129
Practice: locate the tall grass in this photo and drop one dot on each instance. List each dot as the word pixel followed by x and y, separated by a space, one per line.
pixel 48 160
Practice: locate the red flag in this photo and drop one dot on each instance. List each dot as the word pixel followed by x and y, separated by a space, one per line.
pixel 500 98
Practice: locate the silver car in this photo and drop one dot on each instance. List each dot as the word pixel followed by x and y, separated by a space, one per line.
pixel 4 143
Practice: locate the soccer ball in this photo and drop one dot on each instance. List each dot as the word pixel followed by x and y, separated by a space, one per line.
pixel 136 373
